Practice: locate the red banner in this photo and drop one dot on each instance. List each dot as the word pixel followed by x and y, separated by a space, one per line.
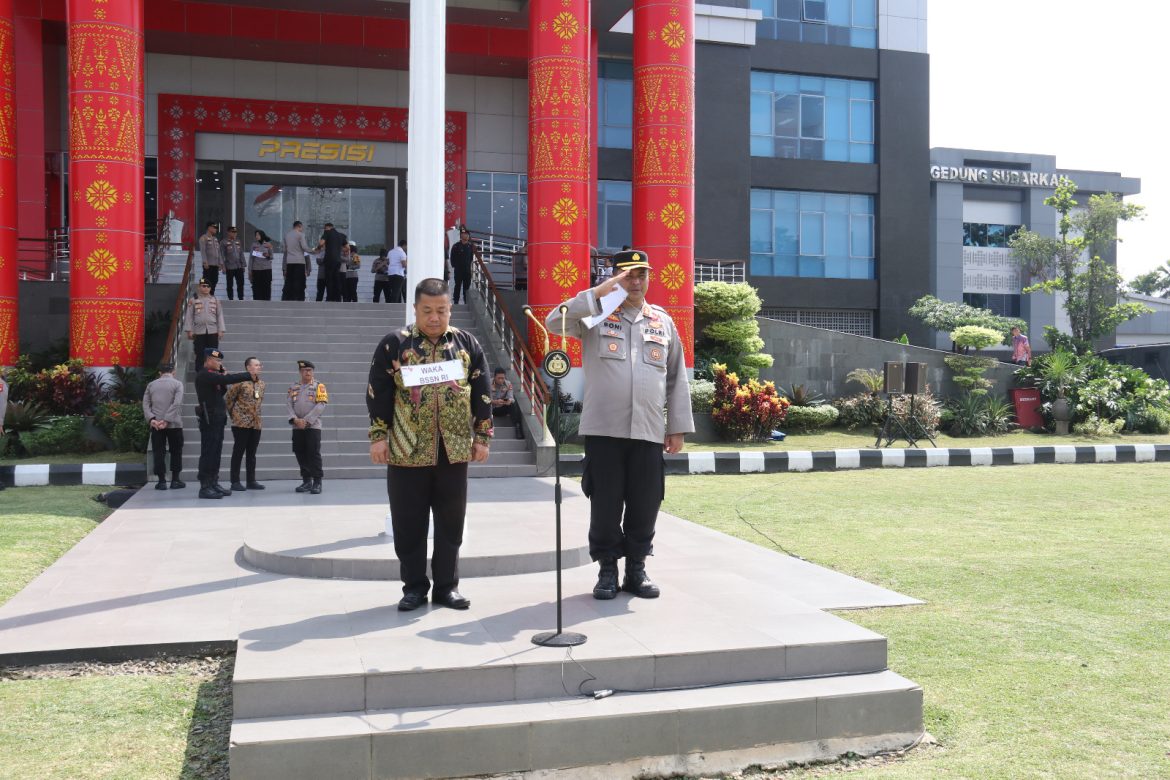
pixel 664 155
pixel 559 183
pixel 180 117
pixel 9 327
pixel 106 279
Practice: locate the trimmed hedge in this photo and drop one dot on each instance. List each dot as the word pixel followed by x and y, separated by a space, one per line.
pixel 810 418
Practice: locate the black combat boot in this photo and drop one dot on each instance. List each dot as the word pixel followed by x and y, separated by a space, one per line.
pixel 607 580
pixel 176 483
pixel 637 582
pixel 305 486
pixel 316 488
pixel 207 490
pixel 162 484
pixel 238 486
pixel 221 488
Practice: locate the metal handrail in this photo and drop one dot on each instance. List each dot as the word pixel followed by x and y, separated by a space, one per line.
pixel 175 334
pixel 513 341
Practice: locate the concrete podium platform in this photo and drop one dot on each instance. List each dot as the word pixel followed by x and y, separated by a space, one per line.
pixel 737 662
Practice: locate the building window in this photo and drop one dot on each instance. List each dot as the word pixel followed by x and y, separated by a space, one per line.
pixel 497 203
pixel 150 202
pixel 858 322
pixel 614 208
pixel 615 104
pixel 812 234
pixel 1001 304
pixel 984 234
pixel 811 118
pixel 834 22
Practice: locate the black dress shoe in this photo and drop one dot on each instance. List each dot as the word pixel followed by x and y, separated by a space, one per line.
pixel 221 489
pixel 238 486
pixel 254 485
pixel 452 600
pixel 412 601
pixel 209 492
pixel 304 487
pixel 177 484
pixel 162 485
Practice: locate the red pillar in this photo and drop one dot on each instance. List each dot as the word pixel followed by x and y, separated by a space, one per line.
pixel 9 331
pixel 29 52
pixel 664 155
pixel 594 70
pixel 559 112
pixel 106 282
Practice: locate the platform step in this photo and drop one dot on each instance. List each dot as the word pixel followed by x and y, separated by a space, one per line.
pixel 630 733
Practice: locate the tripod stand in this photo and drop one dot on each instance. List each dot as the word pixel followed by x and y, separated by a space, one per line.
pixel 912 433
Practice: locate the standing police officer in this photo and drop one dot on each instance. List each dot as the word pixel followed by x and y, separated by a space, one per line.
pixel 234 262
pixel 203 319
pixel 306 403
pixel 162 404
pixel 210 385
pixel 637 404
pixel 211 253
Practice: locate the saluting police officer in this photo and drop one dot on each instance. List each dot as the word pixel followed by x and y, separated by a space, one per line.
pixel 637 404
pixel 203 319
pixel 210 385
pixel 306 403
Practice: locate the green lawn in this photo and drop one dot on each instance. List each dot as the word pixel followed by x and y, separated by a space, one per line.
pixel 1044 648
pixel 38 525
pixel 106 456
pixel 837 439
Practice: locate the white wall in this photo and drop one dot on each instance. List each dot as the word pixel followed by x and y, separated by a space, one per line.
pixel 497 108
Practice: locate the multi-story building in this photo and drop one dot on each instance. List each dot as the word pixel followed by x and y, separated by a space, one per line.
pixel 979 199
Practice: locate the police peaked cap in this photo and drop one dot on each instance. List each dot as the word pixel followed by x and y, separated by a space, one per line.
pixel 203 280
pixel 212 352
pixel 631 258
pixel 305 364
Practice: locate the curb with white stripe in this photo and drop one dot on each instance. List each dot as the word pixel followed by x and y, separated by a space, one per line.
pixel 752 461
pixel 73 474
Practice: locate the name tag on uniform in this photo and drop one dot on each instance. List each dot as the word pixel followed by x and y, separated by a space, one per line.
pixel 432 373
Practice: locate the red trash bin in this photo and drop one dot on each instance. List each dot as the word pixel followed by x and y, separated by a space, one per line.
pixel 1027 403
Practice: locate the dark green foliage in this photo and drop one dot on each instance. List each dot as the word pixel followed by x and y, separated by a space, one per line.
pixel 947 316
pixel 125 424
pixel 864 410
pixel 1094 386
pixel 972 414
pixel 801 419
pixel 800 395
pixel 62 435
pixel 22 419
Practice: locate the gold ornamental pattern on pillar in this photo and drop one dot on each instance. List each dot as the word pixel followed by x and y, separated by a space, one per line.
pixel 9 326
pixel 106 282
pixel 664 155
pixel 559 182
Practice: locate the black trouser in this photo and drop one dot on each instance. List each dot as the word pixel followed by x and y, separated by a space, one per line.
pixel 462 282
pixel 202 342
pixel 161 441
pixel 211 448
pixel 245 441
pixel 211 274
pixel 382 291
pixel 334 278
pixel 416 493
pixel 349 289
pixel 294 282
pixel 235 275
pixel 262 285
pixel 397 289
pixel 306 445
pixel 511 410
pixel 619 474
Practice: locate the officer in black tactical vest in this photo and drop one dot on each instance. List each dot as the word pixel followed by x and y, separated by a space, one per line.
pixel 210 385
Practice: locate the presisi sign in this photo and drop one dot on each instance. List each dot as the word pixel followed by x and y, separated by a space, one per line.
pixel 1003 177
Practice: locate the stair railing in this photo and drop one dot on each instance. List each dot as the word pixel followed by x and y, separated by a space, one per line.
pixel 175 334
pixel 513 340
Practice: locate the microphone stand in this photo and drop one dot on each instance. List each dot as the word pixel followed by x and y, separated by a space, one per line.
pixel 556 364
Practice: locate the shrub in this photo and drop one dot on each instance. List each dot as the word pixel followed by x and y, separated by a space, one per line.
pixel 65 389
pixel 926 410
pixel 863 410
pixel 1096 427
pixel 869 378
pixel 729 333
pixel 702 395
pixel 947 316
pixel 800 395
pixel 745 412
pixel 973 414
pixel 125 424
pixel 22 419
pixel 1093 385
pixel 969 371
pixel 1152 421
pixel 61 435
pixel 810 418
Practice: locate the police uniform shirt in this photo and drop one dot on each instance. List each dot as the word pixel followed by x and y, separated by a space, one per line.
pixel 210 251
pixel 635 375
pixel 204 315
pixel 307 402
pixel 233 254
pixel 163 400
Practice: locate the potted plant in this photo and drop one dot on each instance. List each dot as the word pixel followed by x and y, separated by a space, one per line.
pixel 1059 372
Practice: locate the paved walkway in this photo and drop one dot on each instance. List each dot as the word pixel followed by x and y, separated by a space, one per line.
pixel 168 571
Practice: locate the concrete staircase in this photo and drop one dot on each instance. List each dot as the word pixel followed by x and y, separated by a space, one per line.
pixel 339 338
